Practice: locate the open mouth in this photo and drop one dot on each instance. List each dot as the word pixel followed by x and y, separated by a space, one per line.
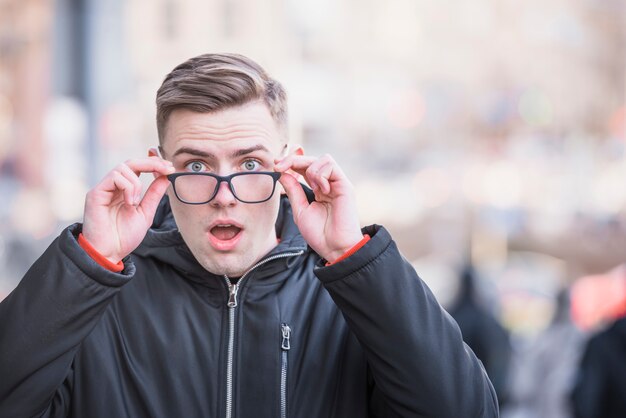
pixel 225 232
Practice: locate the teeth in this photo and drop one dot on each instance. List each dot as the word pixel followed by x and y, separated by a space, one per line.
pixel 224 226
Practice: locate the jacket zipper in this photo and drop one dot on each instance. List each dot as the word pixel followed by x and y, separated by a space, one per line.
pixel 285 347
pixel 232 304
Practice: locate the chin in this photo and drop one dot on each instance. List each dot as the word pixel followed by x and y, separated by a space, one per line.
pixel 223 266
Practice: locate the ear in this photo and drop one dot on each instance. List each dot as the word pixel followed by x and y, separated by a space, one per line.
pixel 298 150
pixel 288 150
pixel 154 152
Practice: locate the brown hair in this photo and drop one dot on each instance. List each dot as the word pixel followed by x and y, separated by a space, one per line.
pixel 212 82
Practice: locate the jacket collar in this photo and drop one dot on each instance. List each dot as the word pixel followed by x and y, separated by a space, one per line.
pixel 165 243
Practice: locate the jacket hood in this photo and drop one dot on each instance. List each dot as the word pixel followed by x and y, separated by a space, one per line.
pixel 165 243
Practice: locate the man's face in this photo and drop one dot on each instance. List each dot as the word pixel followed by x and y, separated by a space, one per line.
pixel 225 235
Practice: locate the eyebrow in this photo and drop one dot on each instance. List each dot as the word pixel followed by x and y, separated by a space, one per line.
pixel 234 154
pixel 193 151
pixel 249 150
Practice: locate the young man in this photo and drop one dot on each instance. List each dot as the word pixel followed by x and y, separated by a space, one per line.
pixel 224 298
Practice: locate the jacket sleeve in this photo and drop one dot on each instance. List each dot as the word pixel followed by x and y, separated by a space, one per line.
pixel 43 322
pixel 414 348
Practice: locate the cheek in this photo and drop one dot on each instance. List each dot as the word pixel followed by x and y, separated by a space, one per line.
pixel 279 189
pixel 183 214
pixel 265 214
pixel 270 212
pixel 171 195
pixel 175 204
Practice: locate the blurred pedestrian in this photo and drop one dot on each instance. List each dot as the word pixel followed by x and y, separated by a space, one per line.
pixel 482 331
pixel 600 389
pixel 542 374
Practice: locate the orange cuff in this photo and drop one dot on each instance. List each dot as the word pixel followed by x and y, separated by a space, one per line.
pixel 99 258
pixel 352 250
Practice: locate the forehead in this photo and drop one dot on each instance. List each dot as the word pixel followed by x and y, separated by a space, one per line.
pixel 241 126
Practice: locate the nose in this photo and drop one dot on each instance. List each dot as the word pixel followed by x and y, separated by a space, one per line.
pixel 224 196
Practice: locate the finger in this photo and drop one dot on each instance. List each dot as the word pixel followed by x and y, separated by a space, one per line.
pixel 153 196
pixel 297 176
pixel 326 172
pixel 296 195
pixel 298 163
pixel 134 180
pixel 150 165
pixel 117 182
pixel 322 172
pixel 319 173
pixel 301 164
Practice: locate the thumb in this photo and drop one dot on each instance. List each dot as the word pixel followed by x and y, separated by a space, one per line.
pixel 153 196
pixel 296 195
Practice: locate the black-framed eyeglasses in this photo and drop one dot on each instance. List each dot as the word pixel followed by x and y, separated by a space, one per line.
pixel 201 188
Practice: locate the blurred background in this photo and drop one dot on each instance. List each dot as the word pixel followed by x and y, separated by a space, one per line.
pixel 488 136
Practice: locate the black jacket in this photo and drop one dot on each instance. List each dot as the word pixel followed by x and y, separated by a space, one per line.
pixel 365 336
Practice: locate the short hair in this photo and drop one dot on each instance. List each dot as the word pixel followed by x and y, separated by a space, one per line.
pixel 213 82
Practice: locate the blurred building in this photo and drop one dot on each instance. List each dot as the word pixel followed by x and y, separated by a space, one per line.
pixel 25 51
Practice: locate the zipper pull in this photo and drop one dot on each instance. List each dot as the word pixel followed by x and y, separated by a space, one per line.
pixel 285 345
pixel 232 295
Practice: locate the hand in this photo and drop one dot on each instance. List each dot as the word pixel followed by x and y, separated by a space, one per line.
pixel 116 218
pixel 330 224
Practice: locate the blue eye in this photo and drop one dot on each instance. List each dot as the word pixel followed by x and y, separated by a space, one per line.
pixel 195 166
pixel 250 165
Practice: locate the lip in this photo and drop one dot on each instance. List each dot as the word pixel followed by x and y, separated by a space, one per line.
pixel 220 244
